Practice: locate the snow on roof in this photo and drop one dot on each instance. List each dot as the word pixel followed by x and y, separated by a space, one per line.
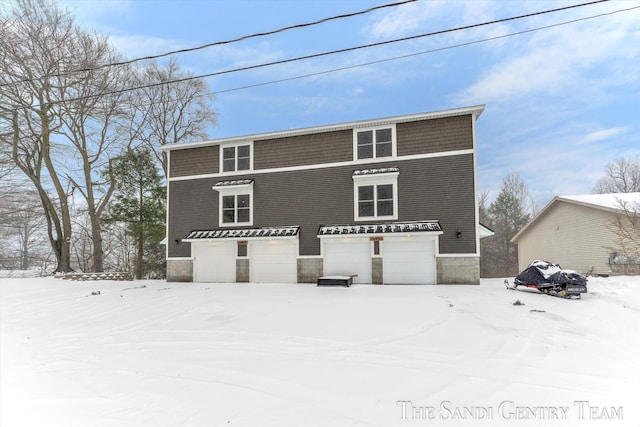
pixel 609 200
pixel 234 182
pixel 375 171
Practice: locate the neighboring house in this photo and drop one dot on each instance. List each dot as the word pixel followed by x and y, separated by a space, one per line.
pixel 578 233
pixel 391 200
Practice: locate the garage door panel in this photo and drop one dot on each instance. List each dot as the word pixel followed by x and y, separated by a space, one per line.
pixel 348 257
pixel 274 261
pixel 214 262
pixel 408 261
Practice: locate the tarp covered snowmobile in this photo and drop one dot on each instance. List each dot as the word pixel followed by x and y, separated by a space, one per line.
pixel 551 279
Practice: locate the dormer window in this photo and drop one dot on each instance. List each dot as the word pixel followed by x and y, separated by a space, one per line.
pixel 374 143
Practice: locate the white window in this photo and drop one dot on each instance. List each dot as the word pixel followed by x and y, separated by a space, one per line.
pixel 375 196
pixel 236 209
pixel 235 200
pixel 236 157
pixel 374 143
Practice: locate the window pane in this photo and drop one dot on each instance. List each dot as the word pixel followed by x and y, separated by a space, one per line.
pixel 365 137
pixel 242 250
pixel 385 207
pixel 365 193
pixel 229 165
pixel 383 135
pixel 243 201
pixel 243 214
pixel 365 151
pixel 365 144
pixel 243 151
pixel 365 209
pixel 244 164
pixel 228 159
pixel 383 150
pixel 228 215
pixel 228 202
pixel 244 157
pixel 229 153
pixel 385 192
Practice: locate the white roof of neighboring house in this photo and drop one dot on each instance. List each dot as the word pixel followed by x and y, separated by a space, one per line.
pixel 609 202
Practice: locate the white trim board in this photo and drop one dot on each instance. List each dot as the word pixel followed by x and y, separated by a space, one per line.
pixel 326 165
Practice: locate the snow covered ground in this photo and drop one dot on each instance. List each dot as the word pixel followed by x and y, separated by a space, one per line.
pixel 151 353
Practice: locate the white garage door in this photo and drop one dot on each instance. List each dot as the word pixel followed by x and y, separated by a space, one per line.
pixel 408 261
pixel 348 257
pixel 273 261
pixel 214 262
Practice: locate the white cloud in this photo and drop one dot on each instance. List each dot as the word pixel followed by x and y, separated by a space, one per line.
pixel 604 134
pixel 565 59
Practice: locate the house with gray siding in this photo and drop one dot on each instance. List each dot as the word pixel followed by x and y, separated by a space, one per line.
pixel 388 201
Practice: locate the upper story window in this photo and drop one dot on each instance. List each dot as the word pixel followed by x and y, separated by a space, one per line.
pixel 235 201
pixel 374 143
pixel 236 158
pixel 375 194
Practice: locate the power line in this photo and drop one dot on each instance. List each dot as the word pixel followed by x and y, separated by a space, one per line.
pixel 219 43
pixel 317 55
pixel 395 58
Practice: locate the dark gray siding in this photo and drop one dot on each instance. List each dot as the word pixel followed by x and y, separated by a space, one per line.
pixel 193 205
pixel 327 147
pixel 195 161
pixel 429 189
pixel 419 137
pixel 436 135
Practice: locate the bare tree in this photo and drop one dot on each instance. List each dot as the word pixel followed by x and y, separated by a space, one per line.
pixel 170 113
pixel 21 224
pixel 64 118
pixel 621 176
pixel 64 126
pixel 625 225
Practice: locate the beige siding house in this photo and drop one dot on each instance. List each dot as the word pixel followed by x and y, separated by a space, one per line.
pixel 575 232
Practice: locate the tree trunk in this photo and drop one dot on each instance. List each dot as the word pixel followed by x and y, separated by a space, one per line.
pixel 60 223
pixel 139 257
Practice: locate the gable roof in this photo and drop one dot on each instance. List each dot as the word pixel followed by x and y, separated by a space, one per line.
pixel 475 110
pixel 611 202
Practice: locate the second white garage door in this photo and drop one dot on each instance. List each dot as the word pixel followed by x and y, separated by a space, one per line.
pixel 348 257
pixel 273 261
pixel 409 261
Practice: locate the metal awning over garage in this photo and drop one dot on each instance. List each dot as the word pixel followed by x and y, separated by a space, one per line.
pixel 393 228
pixel 242 233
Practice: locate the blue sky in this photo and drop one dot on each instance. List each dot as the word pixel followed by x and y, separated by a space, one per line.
pixel 560 102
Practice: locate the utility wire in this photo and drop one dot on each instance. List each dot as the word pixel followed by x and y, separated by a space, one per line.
pixel 219 43
pixel 395 58
pixel 284 61
pixel 317 55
